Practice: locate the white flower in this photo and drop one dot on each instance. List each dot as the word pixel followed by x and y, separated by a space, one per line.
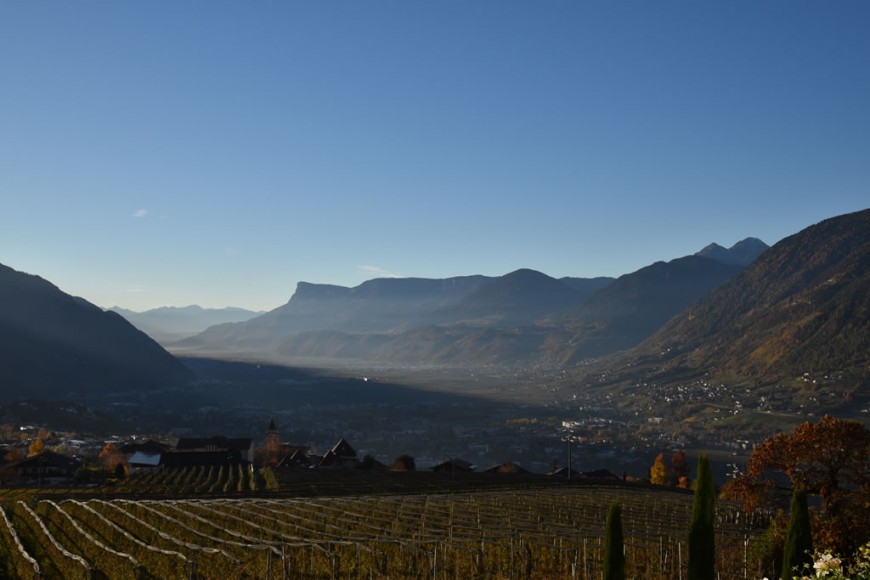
pixel 826 563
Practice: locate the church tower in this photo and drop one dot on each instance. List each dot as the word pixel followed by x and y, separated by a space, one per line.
pixel 272 445
pixel 272 434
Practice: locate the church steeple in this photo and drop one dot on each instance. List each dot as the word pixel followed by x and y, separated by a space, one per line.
pixel 273 439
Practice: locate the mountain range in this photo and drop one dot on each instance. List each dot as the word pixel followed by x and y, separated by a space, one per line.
pixel 170 324
pixel 522 317
pixel 801 306
pixel 54 344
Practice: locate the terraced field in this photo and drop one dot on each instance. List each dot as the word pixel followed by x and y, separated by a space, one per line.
pixel 543 533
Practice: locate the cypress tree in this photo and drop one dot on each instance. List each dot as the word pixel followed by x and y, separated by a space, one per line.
pixel 702 549
pixel 799 539
pixel 614 556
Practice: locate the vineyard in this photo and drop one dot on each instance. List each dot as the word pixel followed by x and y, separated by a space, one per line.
pixel 543 533
pixel 198 480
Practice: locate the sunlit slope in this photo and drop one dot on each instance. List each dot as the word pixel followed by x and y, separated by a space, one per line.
pixel 803 306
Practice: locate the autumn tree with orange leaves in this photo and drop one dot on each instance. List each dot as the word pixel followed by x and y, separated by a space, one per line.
pixel 35 448
pixel 680 469
pixel 830 459
pixel 111 456
pixel 658 473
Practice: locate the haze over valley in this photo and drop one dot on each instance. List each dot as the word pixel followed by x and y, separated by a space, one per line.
pixel 714 350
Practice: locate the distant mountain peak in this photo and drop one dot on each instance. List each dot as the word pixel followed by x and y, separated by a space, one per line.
pixel 742 253
pixel 526 274
pixel 749 241
pixel 711 248
pixel 169 324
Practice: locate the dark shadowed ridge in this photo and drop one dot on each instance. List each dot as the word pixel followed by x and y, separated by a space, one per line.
pixel 635 305
pixel 55 344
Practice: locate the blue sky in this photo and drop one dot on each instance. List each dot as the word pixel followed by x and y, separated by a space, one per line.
pixel 216 153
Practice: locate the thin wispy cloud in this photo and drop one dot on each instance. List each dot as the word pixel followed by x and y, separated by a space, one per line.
pixel 140 213
pixel 378 272
pixel 135 289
